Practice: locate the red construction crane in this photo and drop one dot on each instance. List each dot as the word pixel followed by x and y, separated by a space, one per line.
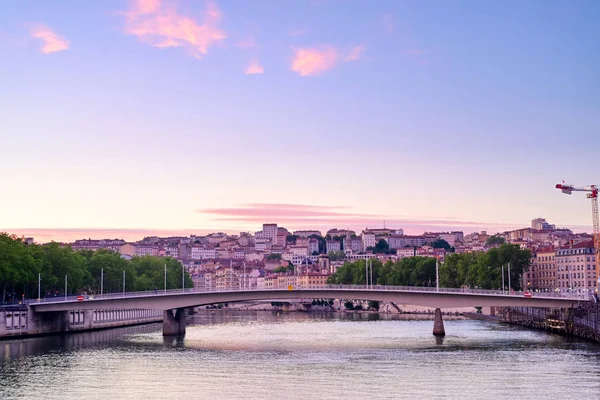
pixel 592 194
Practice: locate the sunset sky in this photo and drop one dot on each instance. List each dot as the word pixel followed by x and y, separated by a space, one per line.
pixel 122 118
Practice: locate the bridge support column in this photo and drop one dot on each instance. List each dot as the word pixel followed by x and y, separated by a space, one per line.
pixel 438 324
pixel 174 322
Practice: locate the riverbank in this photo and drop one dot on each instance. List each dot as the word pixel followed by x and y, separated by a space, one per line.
pixel 21 321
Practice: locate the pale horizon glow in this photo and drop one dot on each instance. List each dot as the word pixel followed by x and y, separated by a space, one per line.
pixel 200 116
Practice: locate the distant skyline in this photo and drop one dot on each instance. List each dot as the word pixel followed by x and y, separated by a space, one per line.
pixel 201 116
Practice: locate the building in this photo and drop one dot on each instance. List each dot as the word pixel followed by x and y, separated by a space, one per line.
pixel 354 244
pixel 262 244
pixel 227 279
pixel 540 224
pixel 270 232
pixel 127 249
pixel 368 240
pixel 306 233
pixel 333 245
pixel 299 250
pixel 340 232
pixel 201 253
pixel 576 268
pixel 312 280
pixel 313 246
pixel 172 251
pixel 142 250
pixel 542 271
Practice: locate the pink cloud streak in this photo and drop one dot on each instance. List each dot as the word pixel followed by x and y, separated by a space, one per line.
pixel 317 60
pixel 52 42
pixel 254 67
pixel 161 25
pixel 307 216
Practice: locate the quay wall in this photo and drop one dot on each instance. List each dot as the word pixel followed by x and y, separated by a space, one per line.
pixel 582 322
pixel 21 320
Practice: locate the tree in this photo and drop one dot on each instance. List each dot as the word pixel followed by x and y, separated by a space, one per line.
pixel 336 255
pixel 494 240
pixel 382 246
pixel 441 244
pixel 291 239
pixel 374 305
pixel 273 256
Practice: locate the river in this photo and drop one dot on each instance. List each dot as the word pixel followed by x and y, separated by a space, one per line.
pixel 264 355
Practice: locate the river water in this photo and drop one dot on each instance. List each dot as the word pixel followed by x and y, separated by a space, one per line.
pixel 264 355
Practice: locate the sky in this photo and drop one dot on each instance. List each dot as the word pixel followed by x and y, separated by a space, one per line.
pixel 129 118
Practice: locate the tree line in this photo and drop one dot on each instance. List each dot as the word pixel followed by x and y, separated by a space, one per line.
pixel 474 270
pixel 22 263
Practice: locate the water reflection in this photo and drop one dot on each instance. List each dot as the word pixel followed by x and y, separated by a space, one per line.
pixel 263 355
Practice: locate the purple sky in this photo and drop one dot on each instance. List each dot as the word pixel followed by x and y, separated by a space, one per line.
pixel 120 117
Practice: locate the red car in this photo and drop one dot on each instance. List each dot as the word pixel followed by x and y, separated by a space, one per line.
pixel 527 294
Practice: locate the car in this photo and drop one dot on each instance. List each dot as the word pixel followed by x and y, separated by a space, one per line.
pixel 528 294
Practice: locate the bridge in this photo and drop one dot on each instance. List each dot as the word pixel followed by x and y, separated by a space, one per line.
pixel 174 302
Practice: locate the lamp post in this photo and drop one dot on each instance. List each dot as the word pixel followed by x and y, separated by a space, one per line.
pixel 66 287
pixel 101 282
pixel 39 286
pixel 371 268
pixel 508 278
pixel 165 277
pixel 123 283
pixel 437 275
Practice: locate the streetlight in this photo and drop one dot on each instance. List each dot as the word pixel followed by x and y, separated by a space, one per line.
pixel 101 281
pixel 39 286
pixel 437 275
pixel 123 283
pixel 66 287
pixel 165 277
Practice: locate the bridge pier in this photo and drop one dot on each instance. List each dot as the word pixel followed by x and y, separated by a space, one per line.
pixel 174 322
pixel 438 324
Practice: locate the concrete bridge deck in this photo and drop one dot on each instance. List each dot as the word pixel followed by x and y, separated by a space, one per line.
pixel 419 296
pixel 174 302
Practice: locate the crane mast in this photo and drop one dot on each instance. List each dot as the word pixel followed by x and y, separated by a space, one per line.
pixel 592 195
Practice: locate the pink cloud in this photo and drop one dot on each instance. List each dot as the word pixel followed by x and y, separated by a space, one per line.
pixel 311 216
pixel 52 42
pixel 161 25
pixel 254 67
pixel 317 60
pixel 355 53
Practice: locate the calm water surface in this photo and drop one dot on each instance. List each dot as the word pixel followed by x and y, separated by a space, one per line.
pixel 260 355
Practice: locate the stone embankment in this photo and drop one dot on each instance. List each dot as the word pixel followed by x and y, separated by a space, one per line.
pixel 21 320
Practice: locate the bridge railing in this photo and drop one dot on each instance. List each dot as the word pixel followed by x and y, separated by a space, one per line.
pixel 512 293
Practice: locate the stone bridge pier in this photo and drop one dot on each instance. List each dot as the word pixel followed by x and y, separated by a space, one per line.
pixel 438 324
pixel 174 322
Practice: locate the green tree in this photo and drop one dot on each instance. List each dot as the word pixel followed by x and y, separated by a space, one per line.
pixel 494 240
pixel 381 246
pixel 442 244
pixel 273 256
pixel 336 255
